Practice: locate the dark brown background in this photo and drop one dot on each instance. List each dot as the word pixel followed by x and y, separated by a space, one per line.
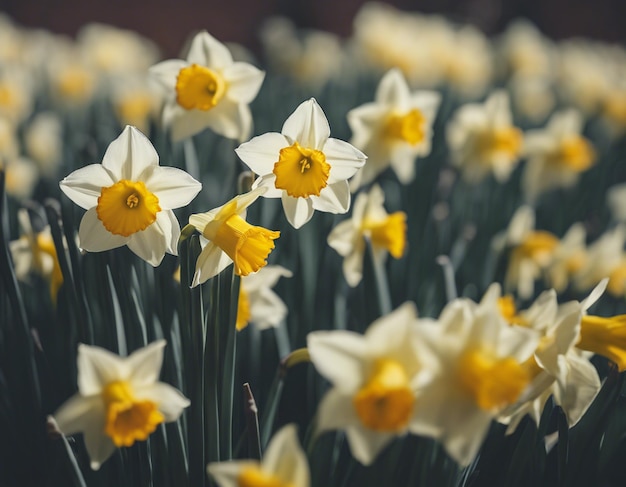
pixel 169 22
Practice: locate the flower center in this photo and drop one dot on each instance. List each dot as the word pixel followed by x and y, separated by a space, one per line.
pixel 300 171
pixel 75 83
pixel 385 402
pixel 408 127
pixel 128 419
pixel 247 245
pixel 127 207
pixel 506 140
pixel 255 477
pixel 606 337
pixel 134 108
pixel 389 234
pixel 199 87
pixel 538 246
pixel 243 310
pixel 575 153
pixel 492 382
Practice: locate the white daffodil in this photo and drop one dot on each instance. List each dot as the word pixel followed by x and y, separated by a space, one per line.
pixel 568 258
pixel 303 166
pixel 376 378
pixel 17 92
pixel 387 234
pixel 129 199
pixel 119 399
pixel 258 304
pixel 21 176
pixel 209 90
pixel 394 129
pixel 135 100
pixel 284 464
pixel 481 372
pixel 35 252
pixel 556 155
pixel 558 368
pixel 531 251
pixel 483 140
pixel 228 238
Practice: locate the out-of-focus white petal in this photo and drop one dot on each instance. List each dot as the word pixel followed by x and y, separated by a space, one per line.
pixel 174 187
pixel 96 368
pixel 262 152
pixel 393 90
pixel 366 444
pixel 244 82
pixel 166 73
pixel 129 155
pixel 336 411
pixel 226 474
pixel 78 412
pixel 285 459
pixel 170 401
pixel 307 125
pixel 84 185
pixel 99 446
pixel 343 158
pixel 338 356
pixel 145 364
pixel 343 237
pixel 334 198
pixel 205 50
pixel 582 386
pixel 297 210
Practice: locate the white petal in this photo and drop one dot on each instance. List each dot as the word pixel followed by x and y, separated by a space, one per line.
pixel 145 363
pixel 174 187
pixel 262 152
pixel 366 444
pixel 336 411
pixel 208 51
pixel 78 412
pixel 99 446
pixel 297 210
pixel 171 229
pixel 353 265
pixel 211 261
pixel 266 308
pixel 338 356
pixel 98 367
pixel 84 185
pixel 269 182
pixel 129 155
pixel 580 389
pixel 230 119
pixel 344 160
pixel 267 277
pixel 403 163
pixel 285 459
pixel 393 90
pixel 184 123
pixel 307 125
pixel 334 198
pixel 344 237
pixel 151 244
pixel 244 82
pixel 226 474
pixel 166 73
pixel 170 401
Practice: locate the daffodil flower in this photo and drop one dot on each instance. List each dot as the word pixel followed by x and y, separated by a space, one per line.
pixel 375 378
pixel 303 166
pixel 284 464
pixel 556 155
pixel 483 140
pixel 257 303
pixel 129 199
pixel 228 238
pixel 208 90
pixel 119 399
pixel 394 129
pixel 387 234
pixel 481 372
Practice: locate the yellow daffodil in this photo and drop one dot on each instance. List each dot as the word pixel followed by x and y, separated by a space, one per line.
pixel 119 400
pixel 387 234
pixel 394 129
pixel 483 140
pixel 129 199
pixel 303 166
pixel 258 304
pixel 284 464
pixel 481 372
pixel 375 379
pixel 228 238
pixel 209 90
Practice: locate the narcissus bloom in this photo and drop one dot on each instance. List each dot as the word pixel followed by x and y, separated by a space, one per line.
pixel 376 378
pixel 557 155
pixel 393 129
pixel 387 234
pixel 208 89
pixel 284 464
pixel 483 140
pixel 228 238
pixel 129 199
pixel 119 399
pixel 258 304
pixel 303 166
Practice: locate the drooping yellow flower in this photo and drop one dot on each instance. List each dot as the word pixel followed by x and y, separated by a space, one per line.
pixel 130 198
pixel 606 337
pixel 119 399
pixel 229 238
